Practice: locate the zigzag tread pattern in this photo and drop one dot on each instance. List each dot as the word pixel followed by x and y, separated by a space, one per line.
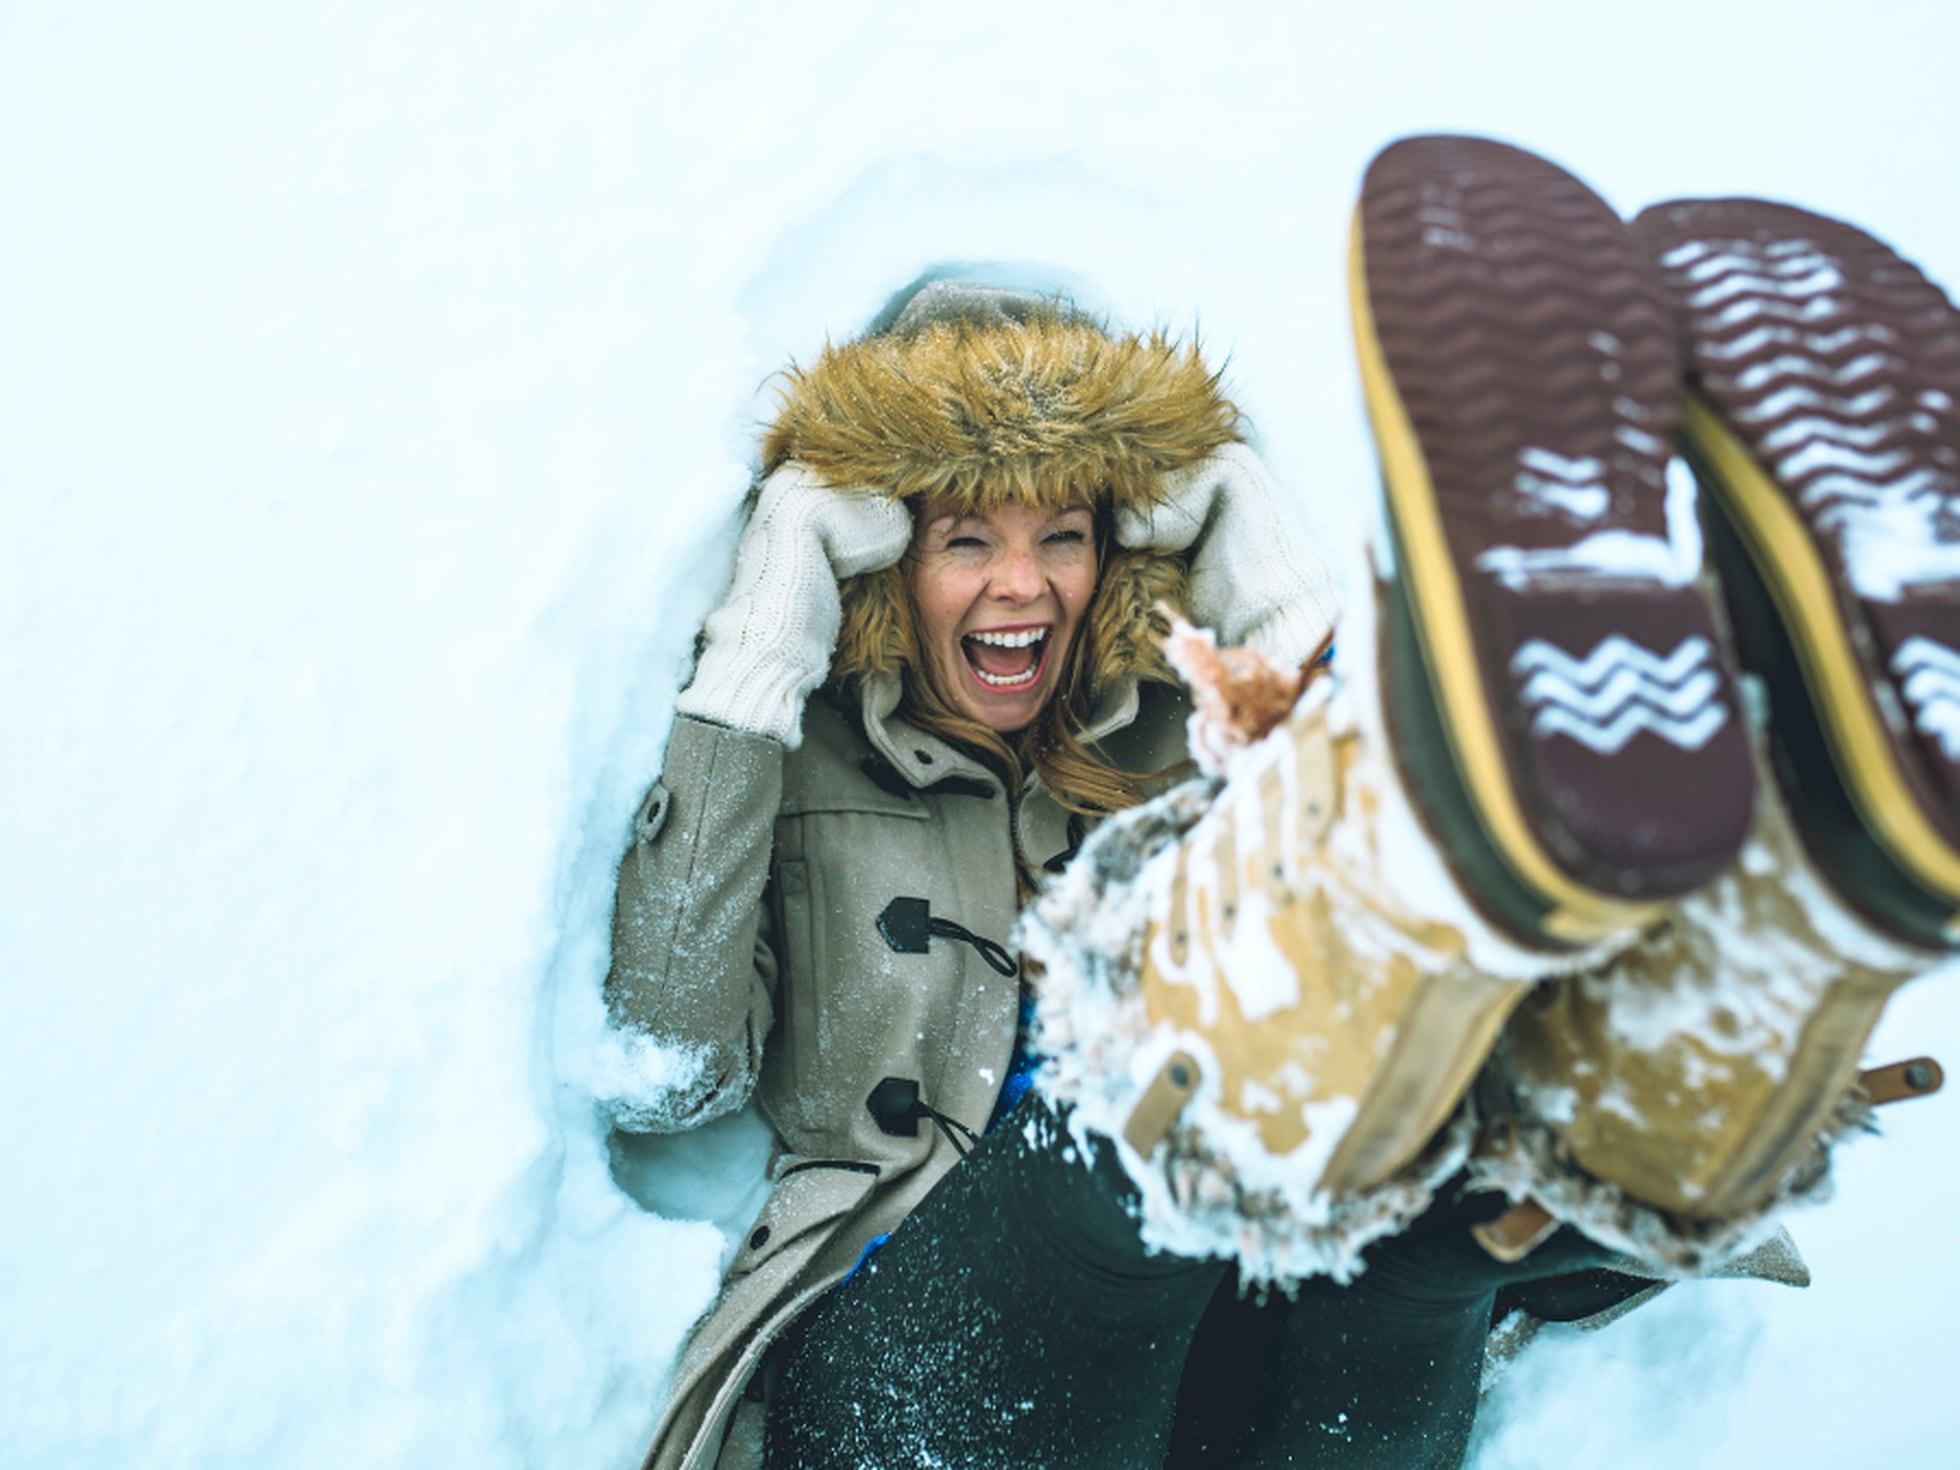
pixel 1836 360
pixel 1529 338
pixel 1620 690
pixel 1514 310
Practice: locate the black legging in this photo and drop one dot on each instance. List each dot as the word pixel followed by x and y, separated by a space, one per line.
pixel 1016 1321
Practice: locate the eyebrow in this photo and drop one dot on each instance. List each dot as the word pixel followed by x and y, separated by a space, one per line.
pixel 948 524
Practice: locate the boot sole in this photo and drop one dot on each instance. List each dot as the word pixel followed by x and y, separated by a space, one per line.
pixel 1555 677
pixel 1824 373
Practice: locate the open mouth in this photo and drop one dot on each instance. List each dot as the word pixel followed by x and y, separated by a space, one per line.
pixel 1007 660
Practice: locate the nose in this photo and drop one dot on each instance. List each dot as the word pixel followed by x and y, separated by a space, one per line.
pixel 1018 576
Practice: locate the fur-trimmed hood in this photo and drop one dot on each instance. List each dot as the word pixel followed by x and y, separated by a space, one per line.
pixel 980 397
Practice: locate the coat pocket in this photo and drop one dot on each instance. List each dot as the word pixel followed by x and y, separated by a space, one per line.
pixel 810 1194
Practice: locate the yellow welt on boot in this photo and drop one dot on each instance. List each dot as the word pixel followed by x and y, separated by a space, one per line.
pixel 1786 555
pixel 1578 915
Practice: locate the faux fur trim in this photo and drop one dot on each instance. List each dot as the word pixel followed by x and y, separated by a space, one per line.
pixel 991 413
pixel 980 414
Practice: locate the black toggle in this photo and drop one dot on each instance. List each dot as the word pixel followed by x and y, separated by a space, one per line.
pixel 896 1107
pixel 1077 831
pixel 908 926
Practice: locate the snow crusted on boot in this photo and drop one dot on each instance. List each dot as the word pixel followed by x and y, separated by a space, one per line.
pixel 1675 1101
pixel 1240 942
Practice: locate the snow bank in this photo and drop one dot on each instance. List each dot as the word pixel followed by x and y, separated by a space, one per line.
pixel 375 387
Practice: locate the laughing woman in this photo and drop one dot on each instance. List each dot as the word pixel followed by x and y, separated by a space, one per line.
pixel 937 664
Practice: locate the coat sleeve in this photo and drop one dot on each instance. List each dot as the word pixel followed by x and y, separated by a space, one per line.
pixel 693 962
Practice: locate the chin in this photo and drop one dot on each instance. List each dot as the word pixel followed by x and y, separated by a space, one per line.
pixel 1013 726
pixel 1001 720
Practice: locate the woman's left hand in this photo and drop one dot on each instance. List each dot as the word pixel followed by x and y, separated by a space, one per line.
pixel 1253 577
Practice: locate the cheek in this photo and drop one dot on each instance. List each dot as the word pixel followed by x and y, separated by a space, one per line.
pixel 1076 590
pixel 937 599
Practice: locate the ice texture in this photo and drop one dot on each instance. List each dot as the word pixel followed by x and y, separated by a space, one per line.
pixel 638 1081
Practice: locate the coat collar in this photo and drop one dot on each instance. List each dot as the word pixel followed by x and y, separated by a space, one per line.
pixel 922 759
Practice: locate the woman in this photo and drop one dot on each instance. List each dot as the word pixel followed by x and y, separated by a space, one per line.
pixel 996 683
pixel 937 666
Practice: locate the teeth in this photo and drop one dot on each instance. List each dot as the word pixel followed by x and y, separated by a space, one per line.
pixel 1011 640
pixel 1001 682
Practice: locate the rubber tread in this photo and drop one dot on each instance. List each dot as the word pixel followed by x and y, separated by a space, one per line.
pixel 1517 317
pixel 1834 365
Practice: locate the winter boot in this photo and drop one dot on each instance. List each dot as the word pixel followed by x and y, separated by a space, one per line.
pixel 1823 415
pixel 1278 993
pixel 1672 1101
pixel 1270 988
pixel 1703 1075
pixel 1554 677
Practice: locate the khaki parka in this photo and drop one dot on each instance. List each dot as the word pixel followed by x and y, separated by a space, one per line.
pixel 771 917
pixel 750 908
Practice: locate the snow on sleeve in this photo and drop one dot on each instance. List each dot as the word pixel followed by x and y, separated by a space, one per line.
pixel 646 1086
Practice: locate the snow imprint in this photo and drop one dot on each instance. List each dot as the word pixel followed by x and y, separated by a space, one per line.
pixel 1552 483
pixel 1929 672
pixel 1672 561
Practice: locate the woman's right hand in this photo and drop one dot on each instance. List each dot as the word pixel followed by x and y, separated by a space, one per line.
pixel 770 642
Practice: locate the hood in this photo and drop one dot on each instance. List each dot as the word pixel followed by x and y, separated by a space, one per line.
pixel 984 397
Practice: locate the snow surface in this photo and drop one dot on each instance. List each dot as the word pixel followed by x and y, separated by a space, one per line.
pixel 376 384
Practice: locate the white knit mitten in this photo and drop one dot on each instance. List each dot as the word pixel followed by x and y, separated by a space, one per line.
pixel 769 643
pixel 1253 578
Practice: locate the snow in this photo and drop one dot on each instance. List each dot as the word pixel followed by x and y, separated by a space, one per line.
pixel 1889 519
pixel 1671 561
pixel 1553 483
pixel 377 385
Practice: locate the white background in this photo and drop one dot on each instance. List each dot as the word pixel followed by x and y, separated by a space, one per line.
pixel 376 383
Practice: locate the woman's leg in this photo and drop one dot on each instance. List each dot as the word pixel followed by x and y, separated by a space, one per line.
pixel 1014 1319
pixel 1017 1319
pixel 1382 1374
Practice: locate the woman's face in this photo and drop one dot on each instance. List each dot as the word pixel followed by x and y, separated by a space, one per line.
pixel 1001 599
